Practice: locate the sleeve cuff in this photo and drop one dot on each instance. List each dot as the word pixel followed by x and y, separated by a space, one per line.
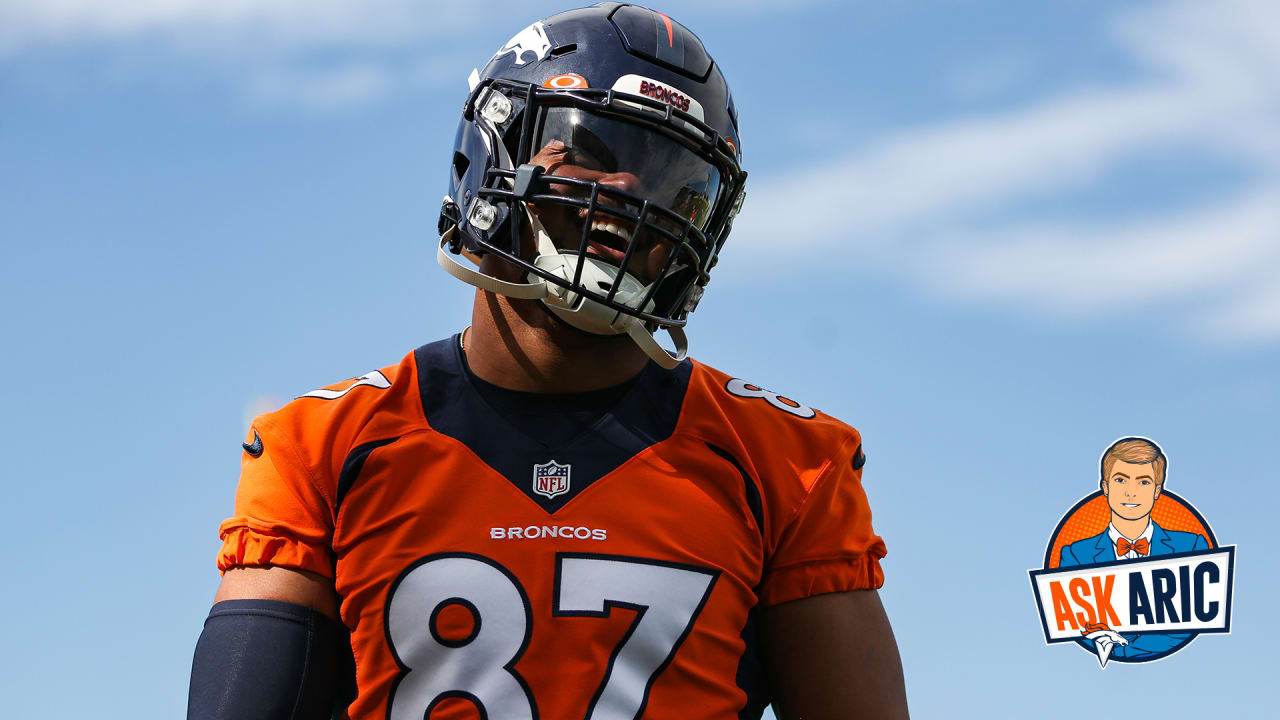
pixel 824 576
pixel 246 547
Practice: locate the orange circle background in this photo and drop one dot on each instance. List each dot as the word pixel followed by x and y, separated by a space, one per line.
pixel 575 81
pixel 1170 512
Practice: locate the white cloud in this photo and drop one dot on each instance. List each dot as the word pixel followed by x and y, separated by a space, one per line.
pixel 1254 315
pixel 316 53
pixel 312 53
pixel 28 23
pixel 964 163
pixel 293 23
pixel 922 202
pixel 1073 268
pixel 352 83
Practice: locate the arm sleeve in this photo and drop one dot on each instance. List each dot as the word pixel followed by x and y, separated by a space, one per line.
pixel 269 660
pixel 282 518
pixel 828 545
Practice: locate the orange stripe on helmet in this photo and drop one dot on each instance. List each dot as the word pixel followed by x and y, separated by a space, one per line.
pixel 671 40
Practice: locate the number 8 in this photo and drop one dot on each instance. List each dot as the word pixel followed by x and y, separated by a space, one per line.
pixel 435 670
pixel 742 388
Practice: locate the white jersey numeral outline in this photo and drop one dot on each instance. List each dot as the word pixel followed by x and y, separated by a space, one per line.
pixel 742 388
pixel 372 379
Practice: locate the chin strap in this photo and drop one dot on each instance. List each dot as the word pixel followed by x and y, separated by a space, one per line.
pixel 525 291
pixel 656 352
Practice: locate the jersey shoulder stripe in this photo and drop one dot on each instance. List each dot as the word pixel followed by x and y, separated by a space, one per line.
pixel 783 449
pixel 329 431
pixel 764 428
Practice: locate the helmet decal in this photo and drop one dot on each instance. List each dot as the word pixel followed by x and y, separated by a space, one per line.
pixel 532 39
pixel 640 85
pixel 656 37
pixel 671 41
pixel 568 81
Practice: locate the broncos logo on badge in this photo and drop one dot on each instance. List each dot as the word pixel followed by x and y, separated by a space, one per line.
pixel 532 39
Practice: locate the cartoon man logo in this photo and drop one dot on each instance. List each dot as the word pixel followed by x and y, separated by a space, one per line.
pixel 1123 585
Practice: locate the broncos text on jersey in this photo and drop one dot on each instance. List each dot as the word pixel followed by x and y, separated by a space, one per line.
pixel 484 573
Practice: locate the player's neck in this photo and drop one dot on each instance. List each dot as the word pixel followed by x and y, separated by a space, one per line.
pixel 1131 529
pixel 519 346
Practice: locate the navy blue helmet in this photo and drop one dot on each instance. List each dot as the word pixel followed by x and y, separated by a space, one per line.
pixel 598 155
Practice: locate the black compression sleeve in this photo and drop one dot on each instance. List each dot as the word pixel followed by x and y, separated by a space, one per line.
pixel 270 660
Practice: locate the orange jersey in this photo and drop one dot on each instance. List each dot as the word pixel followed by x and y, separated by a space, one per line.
pixel 485 574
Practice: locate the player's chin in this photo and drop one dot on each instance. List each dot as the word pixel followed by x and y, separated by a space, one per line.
pixel 576 339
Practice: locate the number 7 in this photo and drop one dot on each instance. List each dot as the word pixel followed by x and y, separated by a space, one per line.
pixel 667 598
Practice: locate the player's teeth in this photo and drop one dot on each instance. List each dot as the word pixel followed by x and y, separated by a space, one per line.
pixel 611 228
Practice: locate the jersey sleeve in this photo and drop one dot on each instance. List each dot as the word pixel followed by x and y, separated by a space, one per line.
pixel 828 544
pixel 281 516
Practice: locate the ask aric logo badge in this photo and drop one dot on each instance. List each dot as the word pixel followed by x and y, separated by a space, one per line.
pixel 1133 572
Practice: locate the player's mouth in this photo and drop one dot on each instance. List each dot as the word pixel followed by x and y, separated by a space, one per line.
pixel 608 239
pixel 1130 505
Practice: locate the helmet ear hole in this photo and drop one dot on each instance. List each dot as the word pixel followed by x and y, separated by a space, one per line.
pixel 460 165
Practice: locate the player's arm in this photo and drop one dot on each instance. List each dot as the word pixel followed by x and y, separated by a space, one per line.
pixel 282 584
pixel 833 657
pixel 271 649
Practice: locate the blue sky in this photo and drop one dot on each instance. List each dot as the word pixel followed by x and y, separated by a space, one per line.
pixel 992 236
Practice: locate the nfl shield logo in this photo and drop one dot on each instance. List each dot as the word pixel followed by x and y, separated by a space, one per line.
pixel 551 479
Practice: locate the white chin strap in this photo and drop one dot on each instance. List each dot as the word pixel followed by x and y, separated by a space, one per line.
pixel 580 312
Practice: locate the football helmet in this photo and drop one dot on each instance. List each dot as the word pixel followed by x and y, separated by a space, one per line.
pixel 598 154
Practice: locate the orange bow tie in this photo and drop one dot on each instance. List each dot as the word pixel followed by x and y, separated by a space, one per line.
pixel 1123 546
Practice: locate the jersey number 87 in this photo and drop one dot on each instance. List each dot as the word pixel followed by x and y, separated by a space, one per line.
pixel 481 667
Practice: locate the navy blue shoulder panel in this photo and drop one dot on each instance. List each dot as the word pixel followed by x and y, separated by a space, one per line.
pixel 352 466
pixel 751 492
pixel 644 416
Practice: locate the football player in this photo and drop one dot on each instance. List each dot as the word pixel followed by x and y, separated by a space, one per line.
pixel 550 515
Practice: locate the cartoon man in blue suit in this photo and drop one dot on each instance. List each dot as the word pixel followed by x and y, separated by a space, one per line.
pixel 1132 476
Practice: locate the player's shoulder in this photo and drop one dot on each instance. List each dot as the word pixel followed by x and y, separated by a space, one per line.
pixel 761 420
pixel 379 401
pixel 749 404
